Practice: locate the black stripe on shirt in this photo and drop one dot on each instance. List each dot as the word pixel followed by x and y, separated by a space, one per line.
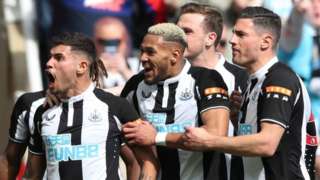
pixel 71 169
pixel 112 150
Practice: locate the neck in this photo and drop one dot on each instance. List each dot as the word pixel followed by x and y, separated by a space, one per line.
pixel 178 69
pixel 262 61
pixel 208 59
pixel 80 86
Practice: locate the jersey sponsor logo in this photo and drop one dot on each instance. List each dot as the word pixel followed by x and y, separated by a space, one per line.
pixel 215 90
pixel 59 148
pixel 145 94
pixel 245 129
pixel 95 117
pixel 186 95
pixel 158 120
pixel 278 90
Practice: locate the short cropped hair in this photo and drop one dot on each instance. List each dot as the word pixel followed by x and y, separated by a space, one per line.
pixel 169 32
pixel 264 20
pixel 83 44
pixel 213 21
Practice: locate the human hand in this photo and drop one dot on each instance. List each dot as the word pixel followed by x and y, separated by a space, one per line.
pixel 139 133
pixel 196 139
pixel 301 5
pixel 51 99
pixel 115 61
pixel 235 103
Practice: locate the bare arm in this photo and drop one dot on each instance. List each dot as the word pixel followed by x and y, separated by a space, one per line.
pixel 10 160
pixel 148 162
pixel 263 143
pixel 215 122
pixel 292 29
pixel 37 166
pixel 132 165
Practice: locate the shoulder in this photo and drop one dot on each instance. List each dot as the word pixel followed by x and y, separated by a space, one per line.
pixel 27 99
pixel 206 76
pixel 281 73
pixel 236 70
pixel 132 84
pixel 108 98
pixel 203 72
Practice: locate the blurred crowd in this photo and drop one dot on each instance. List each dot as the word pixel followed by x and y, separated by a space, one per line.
pixel 118 26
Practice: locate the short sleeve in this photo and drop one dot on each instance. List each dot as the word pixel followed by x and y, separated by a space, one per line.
pixel 18 131
pixel 36 145
pixel 277 98
pixel 126 111
pixel 211 89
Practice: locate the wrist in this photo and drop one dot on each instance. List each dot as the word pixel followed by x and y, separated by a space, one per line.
pixel 160 138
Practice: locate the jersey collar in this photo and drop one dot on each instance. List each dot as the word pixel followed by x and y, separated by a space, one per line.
pixel 80 96
pixel 176 78
pixel 263 70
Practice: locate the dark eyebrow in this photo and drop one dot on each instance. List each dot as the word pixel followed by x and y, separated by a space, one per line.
pixel 56 56
pixel 148 49
pixel 239 32
pixel 186 29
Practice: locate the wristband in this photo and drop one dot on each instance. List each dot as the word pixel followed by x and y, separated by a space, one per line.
pixel 161 139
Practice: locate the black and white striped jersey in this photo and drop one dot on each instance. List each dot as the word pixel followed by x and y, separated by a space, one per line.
pixel 81 137
pixel 235 79
pixel 276 95
pixel 21 124
pixel 174 104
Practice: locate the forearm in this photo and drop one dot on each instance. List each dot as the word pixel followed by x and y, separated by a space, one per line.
pixel 37 166
pixel 127 74
pixel 9 166
pixel 292 31
pixel 3 167
pixel 247 145
pixel 148 162
pixel 133 171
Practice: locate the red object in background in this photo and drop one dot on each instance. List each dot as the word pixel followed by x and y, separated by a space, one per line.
pixel 21 171
pixel 160 8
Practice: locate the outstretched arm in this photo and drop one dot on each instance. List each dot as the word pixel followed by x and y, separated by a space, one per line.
pixel 215 122
pixel 263 143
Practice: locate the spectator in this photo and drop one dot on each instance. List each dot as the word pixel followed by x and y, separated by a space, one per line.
pixel 114 48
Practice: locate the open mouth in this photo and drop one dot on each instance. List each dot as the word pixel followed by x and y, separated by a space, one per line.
pixel 50 76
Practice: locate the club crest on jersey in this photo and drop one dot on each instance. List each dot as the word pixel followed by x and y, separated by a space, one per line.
pixel 146 94
pixel 186 94
pixel 95 116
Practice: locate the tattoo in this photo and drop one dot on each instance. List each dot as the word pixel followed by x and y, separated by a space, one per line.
pixel 144 176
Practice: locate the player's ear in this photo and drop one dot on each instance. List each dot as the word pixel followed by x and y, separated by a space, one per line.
pixel 211 39
pixel 266 41
pixel 176 54
pixel 82 67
